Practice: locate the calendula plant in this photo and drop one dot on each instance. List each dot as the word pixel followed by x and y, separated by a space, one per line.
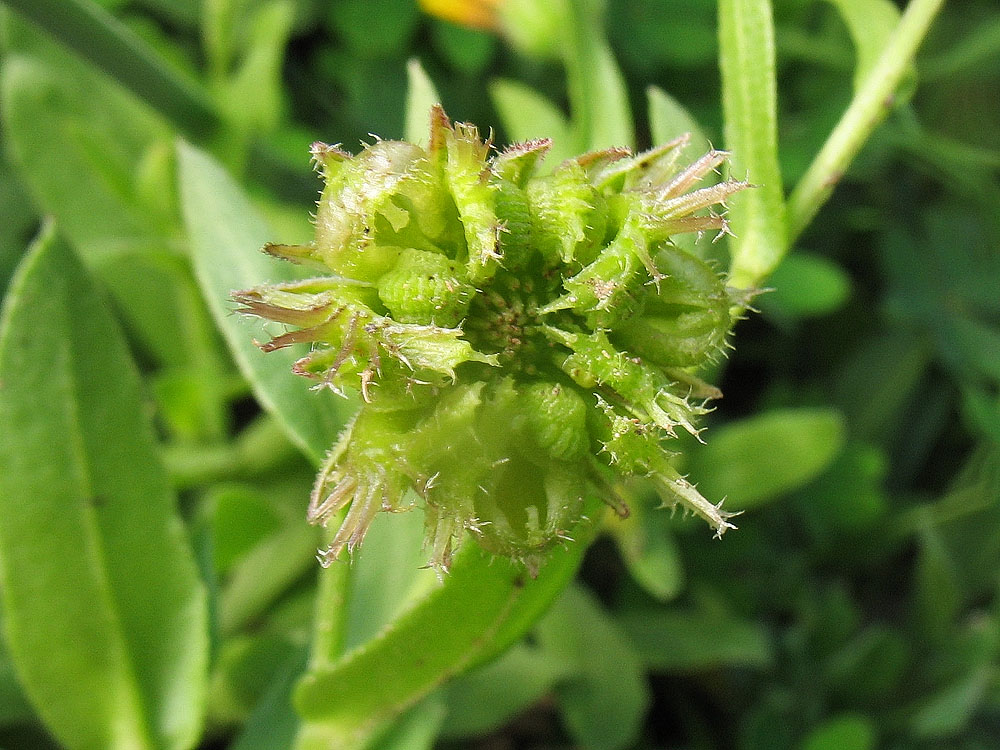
pixel 520 341
pixel 526 337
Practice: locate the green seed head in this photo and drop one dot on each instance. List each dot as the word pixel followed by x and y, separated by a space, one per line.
pixel 520 341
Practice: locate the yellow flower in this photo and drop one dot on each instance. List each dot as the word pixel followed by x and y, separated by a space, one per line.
pixel 476 14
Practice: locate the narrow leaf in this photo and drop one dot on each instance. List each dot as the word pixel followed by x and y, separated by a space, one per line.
pixel 599 102
pixel 870 24
pixel 668 119
pixel 603 703
pixel 649 551
pixel 416 729
pixel 483 605
pixel 80 141
pixel 843 732
pixel 105 616
pixel 749 99
pixel 273 723
pixel 92 32
pixel 806 285
pixel 493 695
pixel 684 640
pixel 14 706
pixel 265 572
pixel 100 162
pixel 385 574
pixel 253 97
pixel 226 235
pixel 420 97
pixel 757 459
pixel 526 115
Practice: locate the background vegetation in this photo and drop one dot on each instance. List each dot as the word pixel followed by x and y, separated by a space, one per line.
pixel 156 573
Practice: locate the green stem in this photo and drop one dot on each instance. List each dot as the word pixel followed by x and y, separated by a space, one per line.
pixel 870 105
pixel 98 36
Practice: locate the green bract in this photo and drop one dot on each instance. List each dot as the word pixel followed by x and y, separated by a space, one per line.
pixel 520 341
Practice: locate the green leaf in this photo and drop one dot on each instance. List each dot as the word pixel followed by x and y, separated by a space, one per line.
pixel 844 732
pixel 373 29
pixel 870 24
pixel 950 709
pixel 273 723
pixel 805 285
pixel 598 96
pixel 849 495
pixel 491 696
pixel 668 119
pixel 871 665
pixel 14 706
pixel 466 50
pixel 226 235
pixel 109 185
pixel 182 12
pixel 105 616
pixel 420 97
pixel 80 141
pixel 749 99
pixel 878 383
pixel 526 115
pixel 677 640
pixel 416 729
pixel 648 548
pixel 761 458
pixel 253 98
pixel 604 701
pixel 99 37
pixel 242 671
pixel 938 590
pixel 387 572
pixel 265 572
pixel 18 217
pixel 483 605
pixel 967 522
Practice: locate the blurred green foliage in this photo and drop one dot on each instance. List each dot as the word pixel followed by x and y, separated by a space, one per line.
pixel 857 605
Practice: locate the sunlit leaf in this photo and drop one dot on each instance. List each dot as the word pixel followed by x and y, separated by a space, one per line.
pixel 104 612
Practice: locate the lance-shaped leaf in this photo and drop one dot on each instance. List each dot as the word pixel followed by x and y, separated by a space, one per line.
pixel 105 616
pixel 224 231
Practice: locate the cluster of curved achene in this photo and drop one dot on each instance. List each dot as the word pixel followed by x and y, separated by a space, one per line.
pixel 520 341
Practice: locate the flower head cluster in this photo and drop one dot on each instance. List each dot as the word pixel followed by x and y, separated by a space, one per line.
pixel 520 341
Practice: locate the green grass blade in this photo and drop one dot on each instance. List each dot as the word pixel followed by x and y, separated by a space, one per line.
pixel 104 612
pixel 749 100
pixel 226 234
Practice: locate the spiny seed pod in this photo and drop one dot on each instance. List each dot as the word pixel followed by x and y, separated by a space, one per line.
pixel 520 341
